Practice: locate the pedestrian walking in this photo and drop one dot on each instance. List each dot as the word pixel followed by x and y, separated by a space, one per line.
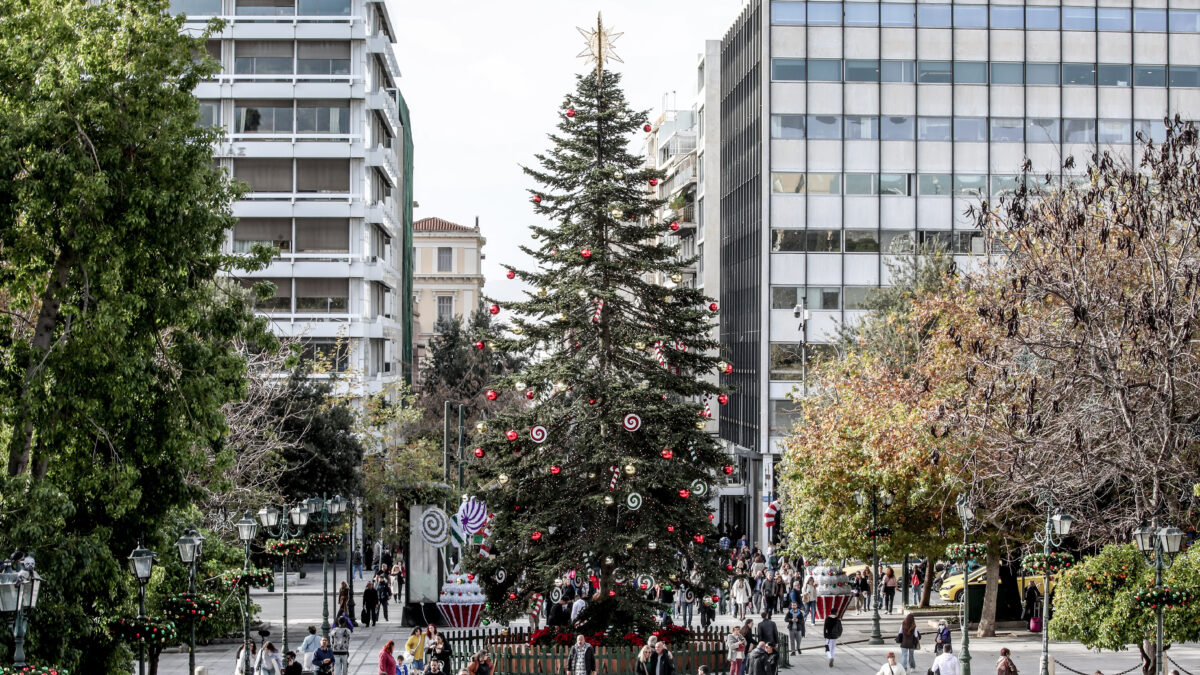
pixel 810 598
pixel 864 591
pixel 577 608
pixel 1031 597
pixel 910 641
pixel 795 626
pixel 741 596
pixel 768 632
pixel 309 647
pixel 384 591
pixel 735 648
pixel 832 631
pixel 942 638
pixel 441 652
pixel 370 600
pixel 642 665
pixel 397 574
pixel 748 633
pixel 268 661
pixel 401 665
pixel 356 563
pixel 1005 665
pixel 324 658
pixel 339 640
pixel 889 588
pixel 582 658
pixel 946 663
pixel 246 658
pixel 415 645
pixel 890 667
pixel 665 663
pixel 387 662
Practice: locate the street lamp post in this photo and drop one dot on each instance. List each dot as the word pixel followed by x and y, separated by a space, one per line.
pixel 141 564
pixel 1160 546
pixel 801 312
pixel 277 527
pixel 1058 525
pixel 966 514
pixel 190 546
pixel 246 528
pixel 875 498
pixel 16 601
pixel 327 509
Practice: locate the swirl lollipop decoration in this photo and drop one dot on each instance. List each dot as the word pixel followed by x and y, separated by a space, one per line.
pixel 556 594
pixel 619 575
pixel 631 422
pixel 473 515
pixel 537 434
pixel 699 487
pixel 500 575
pixel 645 581
pixel 633 501
pixel 435 527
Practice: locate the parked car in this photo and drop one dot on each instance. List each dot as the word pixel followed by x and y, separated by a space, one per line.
pixel 952 587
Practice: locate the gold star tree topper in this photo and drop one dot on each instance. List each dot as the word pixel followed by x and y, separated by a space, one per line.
pixel 599 45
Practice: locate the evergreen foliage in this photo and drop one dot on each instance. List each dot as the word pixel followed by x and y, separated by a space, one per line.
pixel 595 369
pixel 326 456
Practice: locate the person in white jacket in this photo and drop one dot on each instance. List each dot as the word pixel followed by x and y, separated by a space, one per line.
pixel 890 667
pixel 268 662
pixel 741 596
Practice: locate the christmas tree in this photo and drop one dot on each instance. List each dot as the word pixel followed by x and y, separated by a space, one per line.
pixel 605 469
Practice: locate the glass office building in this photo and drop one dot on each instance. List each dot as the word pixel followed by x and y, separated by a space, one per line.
pixel 855 129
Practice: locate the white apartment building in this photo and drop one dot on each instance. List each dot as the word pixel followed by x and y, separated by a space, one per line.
pixel 853 129
pixel 317 128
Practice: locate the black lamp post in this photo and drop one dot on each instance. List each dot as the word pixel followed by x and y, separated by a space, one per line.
pixel 875 498
pixel 1159 545
pixel 16 600
pixel 966 514
pixel 246 528
pixel 326 510
pixel 190 546
pixel 276 527
pixel 1058 525
pixel 141 564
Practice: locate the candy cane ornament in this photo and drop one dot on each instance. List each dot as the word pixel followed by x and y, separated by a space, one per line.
pixel 707 407
pixel 612 482
pixel 770 513
pixel 599 309
pixel 662 360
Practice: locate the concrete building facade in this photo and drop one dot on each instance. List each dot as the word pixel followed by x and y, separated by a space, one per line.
pixel 855 130
pixel 316 127
pixel 448 275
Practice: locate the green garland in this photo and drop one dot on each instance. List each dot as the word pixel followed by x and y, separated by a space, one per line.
pixel 286 546
pixel 188 606
pixel 960 551
pixel 321 539
pixel 151 631
pixel 257 578
pixel 32 670
pixel 1040 563
pixel 1167 597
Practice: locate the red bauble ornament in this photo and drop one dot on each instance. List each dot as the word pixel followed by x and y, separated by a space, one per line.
pixel 479 452
pixel 537 199
pixel 728 469
pixel 570 112
pixel 698 538
pixel 470 577
pixel 653 182
pixel 729 568
pixel 556 470
pixel 674 227
pixel 644 586
pixel 710 516
pixel 529 395
pixel 611 593
pixel 536 536
pixel 722 399
pixel 586 253
pixel 512 435
pixel 479 345
pixel 492 395
pixel 591 401
pixel 511 274
pixel 728 368
pixel 685 493
pixel 512 596
pixel 712 306
pixel 664 397
pixel 494 309
pixel 647 128
pixel 716 598
pixel 670 528
pixel 667 453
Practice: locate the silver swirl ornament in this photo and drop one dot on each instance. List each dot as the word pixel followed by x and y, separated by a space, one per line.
pixel 689 596
pixel 699 487
pixel 619 575
pixel 500 575
pixel 645 581
pixel 435 527
pixel 556 595
pixel 633 501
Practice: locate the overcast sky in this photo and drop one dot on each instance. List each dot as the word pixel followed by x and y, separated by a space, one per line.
pixel 485 80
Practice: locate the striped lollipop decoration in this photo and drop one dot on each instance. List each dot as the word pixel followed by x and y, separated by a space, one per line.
pixel 473 515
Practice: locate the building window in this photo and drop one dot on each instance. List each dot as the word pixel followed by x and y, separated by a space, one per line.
pixel 1151 130
pixel 1041 73
pixel 784 415
pixel 275 232
pixel 970 16
pixel 265 8
pixel 323 57
pixel 970 185
pixel 1039 130
pixel 262 117
pixel 933 129
pixel 323 117
pixel 862 71
pixel 933 72
pixel 787 13
pixel 1149 76
pixel 1041 18
pixel 263 57
pixel 823 241
pixel 933 15
pixel 1079 131
pixel 1112 75
pixel 1185 76
pixel 210 114
pixel 322 296
pixel 824 13
pixel 280 302
pixel 933 184
pixel 1114 131
pixel 1002 185
pixel 785 297
pixel 785 70
pixel 205 7
pixel 445 308
pixel 787 126
pixel 897 71
pixel 1150 20
pixel 1083 74
pixel 897 242
pixel 862 13
pixel 824 127
pixel 264 175
pixel 861 128
pixel 862 241
pixel 1185 20
pixel 326 354
pixel 787 241
pixel 324 7
pixel 445 259
pixel 861 183
pixel 972 129
pixel 1008 73
pixel 322 235
pixel 786 361
pixel 323 175
pixel 824 70
pixel 970 72
pixel 896 128
pixel 855 297
pixel 824 298
pixel 1109 18
pixel 1079 18
pixel 1008 130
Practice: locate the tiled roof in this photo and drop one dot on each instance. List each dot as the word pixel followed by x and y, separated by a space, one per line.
pixel 439 225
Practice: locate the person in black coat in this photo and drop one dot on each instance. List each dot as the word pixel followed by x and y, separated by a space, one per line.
pixel 370 599
pixel 665 663
pixel 768 662
pixel 768 632
pixel 754 658
pixel 581 650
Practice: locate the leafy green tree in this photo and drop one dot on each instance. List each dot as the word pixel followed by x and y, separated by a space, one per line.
pixel 558 504
pixel 325 456
pixel 1095 602
pixel 115 349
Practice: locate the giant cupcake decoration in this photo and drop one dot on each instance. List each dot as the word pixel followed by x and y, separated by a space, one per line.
pixel 833 591
pixel 461 601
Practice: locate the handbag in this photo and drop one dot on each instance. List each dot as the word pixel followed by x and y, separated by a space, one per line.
pixel 899 638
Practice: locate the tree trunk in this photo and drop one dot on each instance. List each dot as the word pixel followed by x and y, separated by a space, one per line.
pixel 987 619
pixel 927 586
pixel 21 442
pixel 1146 647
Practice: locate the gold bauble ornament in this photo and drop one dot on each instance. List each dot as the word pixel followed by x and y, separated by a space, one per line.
pixel 630 469
pixel 541 292
pixel 639 345
pixel 721 366
pixel 617 213
pixel 519 386
pixel 535 235
pixel 701 425
pixel 560 386
pixel 582 293
pixel 480 427
pixel 666 298
pixel 608 560
pixel 677 277
pixel 608 500
pixel 628 547
pixel 562 316
pixel 592 474
pixel 503 478
pixel 517 330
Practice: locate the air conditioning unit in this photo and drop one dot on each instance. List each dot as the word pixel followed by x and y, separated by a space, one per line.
pixel 374 258
pixel 387 315
pixel 387 366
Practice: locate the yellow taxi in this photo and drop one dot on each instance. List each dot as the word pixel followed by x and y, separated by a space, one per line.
pixel 952 587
